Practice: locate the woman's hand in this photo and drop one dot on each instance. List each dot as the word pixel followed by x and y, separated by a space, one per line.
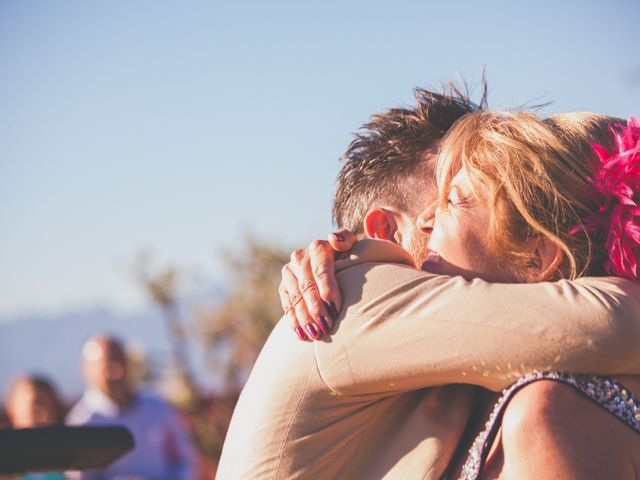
pixel 309 291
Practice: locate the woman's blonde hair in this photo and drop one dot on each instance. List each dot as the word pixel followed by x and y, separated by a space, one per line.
pixel 534 176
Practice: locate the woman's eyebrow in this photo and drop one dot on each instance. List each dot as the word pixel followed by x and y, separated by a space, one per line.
pixel 459 191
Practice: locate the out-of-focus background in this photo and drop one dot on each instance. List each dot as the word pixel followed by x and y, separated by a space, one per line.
pixel 159 159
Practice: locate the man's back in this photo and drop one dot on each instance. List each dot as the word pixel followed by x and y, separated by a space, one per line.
pixel 343 407
pixel 290 423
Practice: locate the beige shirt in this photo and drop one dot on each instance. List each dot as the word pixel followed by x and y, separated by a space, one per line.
pixel 354 405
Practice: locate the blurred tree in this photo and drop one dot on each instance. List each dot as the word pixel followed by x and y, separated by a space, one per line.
pixel 162 287
pixel 142 370
pixel 232 330
pixel 242 322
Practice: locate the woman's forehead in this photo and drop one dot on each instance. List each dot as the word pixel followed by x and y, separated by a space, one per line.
pixel 461 178
pixel 465 186
pixel 462 182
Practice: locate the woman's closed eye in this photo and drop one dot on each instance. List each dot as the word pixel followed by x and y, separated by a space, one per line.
pixel 456 198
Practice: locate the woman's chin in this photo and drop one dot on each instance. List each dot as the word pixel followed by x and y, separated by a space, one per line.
pixel 434 263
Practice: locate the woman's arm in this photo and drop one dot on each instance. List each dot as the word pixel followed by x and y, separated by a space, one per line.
pixel 401 329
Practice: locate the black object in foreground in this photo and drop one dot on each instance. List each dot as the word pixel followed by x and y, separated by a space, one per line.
pixel 62 448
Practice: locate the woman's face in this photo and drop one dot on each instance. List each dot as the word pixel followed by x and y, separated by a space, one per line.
pixel 459 243
pixel 31 407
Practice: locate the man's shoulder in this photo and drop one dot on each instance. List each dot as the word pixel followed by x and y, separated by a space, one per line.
pixel 373 267
pixel 275 398
pixel 373 283
pixel 84 411
pixel 281 369
pixel 379 270
pixel 280 352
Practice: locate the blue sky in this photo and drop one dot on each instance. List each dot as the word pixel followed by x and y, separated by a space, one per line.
pixel 177 126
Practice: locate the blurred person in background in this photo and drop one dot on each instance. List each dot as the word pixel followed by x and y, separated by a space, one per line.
pixel 163 449
pixel 33 401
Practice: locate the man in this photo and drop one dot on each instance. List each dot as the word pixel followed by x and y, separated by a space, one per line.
pixel 162 446
pixel 395 148
pixel 332 410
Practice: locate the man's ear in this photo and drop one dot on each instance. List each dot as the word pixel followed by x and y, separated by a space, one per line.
pixel 380 223
pixel 547 257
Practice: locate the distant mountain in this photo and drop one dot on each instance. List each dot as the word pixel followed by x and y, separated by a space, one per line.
pixel 51 345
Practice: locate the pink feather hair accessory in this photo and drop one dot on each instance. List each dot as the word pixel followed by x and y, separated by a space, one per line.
pixel 616 189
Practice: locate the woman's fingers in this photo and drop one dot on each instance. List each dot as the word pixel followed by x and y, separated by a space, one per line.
pixel 323 268
pixel 314 306
pixel 305 320
pixel 289 294
pixel 309 291
pixel 342 240
pixel 305 323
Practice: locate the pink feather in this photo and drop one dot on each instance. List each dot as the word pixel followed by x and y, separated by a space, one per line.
pixel 616 189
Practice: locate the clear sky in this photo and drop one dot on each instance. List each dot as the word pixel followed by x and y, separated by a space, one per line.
pixel 176 126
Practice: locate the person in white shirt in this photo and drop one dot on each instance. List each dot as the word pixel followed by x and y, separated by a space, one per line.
pixel 162 449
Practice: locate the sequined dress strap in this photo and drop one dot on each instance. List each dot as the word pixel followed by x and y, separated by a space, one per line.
pixel 605 391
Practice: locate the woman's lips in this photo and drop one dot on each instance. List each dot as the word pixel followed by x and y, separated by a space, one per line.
pixel 433 260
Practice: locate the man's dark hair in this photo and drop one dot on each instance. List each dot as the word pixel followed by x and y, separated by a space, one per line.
pixel 386 161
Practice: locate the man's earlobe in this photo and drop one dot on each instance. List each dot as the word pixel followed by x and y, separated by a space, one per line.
pixel 380 223
pixel 547 256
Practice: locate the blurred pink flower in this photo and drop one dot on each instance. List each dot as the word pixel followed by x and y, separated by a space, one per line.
pixel 617 191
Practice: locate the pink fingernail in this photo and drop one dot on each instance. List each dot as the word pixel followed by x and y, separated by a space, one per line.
pixel 300 333
pixel 323 325
pixel 312 330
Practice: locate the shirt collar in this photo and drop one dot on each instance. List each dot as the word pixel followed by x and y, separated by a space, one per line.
pixel 98 402
pixel 373 250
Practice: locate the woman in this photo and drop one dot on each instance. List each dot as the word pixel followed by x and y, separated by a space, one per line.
pixel 522 201
pixel 33 401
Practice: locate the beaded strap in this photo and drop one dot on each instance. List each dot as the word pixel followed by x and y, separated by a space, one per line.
pixel 608 393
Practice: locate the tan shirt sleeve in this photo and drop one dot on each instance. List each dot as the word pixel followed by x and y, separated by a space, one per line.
pixel 402 329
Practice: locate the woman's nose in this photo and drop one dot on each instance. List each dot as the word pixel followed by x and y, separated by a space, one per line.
pixel 425 220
